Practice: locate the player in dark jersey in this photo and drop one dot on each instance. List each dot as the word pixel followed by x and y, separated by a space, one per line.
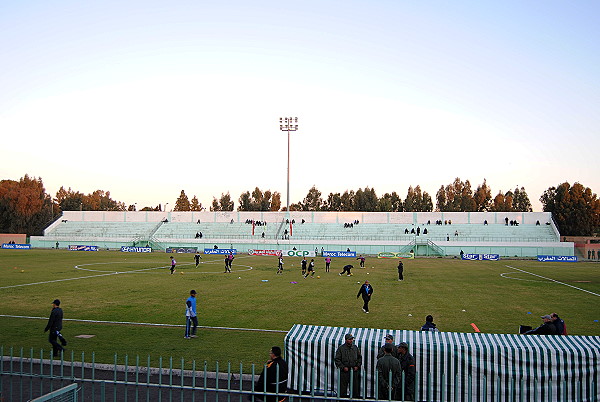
pixel 304 262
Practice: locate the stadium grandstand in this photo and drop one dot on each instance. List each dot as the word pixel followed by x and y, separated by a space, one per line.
pixel 509 234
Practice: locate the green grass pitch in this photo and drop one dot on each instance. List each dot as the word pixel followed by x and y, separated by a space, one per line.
pixel 496 296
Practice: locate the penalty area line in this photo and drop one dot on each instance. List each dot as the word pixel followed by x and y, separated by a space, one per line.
pixel 147 324
pixel 555 281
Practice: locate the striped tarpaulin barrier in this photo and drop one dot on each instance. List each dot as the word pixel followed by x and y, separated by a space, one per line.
pixel 457 366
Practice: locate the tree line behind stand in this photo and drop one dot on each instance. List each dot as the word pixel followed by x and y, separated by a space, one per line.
pixel 25 207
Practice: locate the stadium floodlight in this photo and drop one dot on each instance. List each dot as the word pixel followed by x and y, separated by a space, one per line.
pixel 288 124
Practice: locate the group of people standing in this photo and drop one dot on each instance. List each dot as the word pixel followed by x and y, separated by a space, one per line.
pixel 392 361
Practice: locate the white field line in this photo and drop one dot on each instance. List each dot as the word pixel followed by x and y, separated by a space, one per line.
pixel 107 273
pixel 555 281
pixel 148 324
pixel 505 276
pixel 59 280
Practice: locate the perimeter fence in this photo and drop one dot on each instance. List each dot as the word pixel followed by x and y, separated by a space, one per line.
pixel 31 378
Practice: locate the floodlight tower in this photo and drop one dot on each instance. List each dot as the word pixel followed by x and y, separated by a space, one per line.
pixel 288 124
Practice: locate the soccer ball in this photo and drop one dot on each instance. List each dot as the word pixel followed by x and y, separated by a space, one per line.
pixel 318 277
pixel 181 272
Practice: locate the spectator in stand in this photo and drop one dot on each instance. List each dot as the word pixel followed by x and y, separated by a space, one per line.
pixel 485 222
pixel 412 231
pixel 456 233
pixel 537 223
pixel 547 328
pixel 406 231
pixel 419 231
pixel 561 327
pixel 425 231
pixel 429 325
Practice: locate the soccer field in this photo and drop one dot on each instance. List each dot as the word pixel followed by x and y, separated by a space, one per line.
pixel 137 288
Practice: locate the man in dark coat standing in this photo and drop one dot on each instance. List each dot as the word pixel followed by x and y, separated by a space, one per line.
pixel 400 271
pixel 386 364
pixel 276 373
pixel 349 359
pixel 407 362
pixel 55 326
pixel 366 290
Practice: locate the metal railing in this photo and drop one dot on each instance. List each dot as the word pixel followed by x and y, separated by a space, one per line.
pixel 26 378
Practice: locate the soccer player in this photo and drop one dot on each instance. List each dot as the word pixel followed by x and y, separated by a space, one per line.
pixel 230 258
pixel 327 263
pixel 227 264
pixel 280 265
pixel 191 320
pixel 173 263
pixel 362 261
pixel 346 270
pixel 311 269
pixel 304 262
pixel 197 257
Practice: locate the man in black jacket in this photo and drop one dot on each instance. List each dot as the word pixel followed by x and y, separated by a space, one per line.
pixel 366 290
pixel 276 374
pixel 547 328
pixel 406 390
pixel 55 326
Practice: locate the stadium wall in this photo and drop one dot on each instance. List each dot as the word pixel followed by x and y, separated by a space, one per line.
pixel 452 247
pixel 410 218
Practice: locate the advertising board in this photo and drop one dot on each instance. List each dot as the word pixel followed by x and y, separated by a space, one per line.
pixel 127 249
pixel 181 250
pixel 83 248
pixel 274 253
pixel 481 257
pixel 557 258
pixel 16 246
pixel 222 251
pixel 298 253
pixel 389 254
pixel 337 254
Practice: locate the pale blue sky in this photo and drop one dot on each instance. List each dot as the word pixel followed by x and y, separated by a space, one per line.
pixel 145 99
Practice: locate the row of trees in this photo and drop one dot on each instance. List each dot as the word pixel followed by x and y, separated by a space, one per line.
pixel 25 207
